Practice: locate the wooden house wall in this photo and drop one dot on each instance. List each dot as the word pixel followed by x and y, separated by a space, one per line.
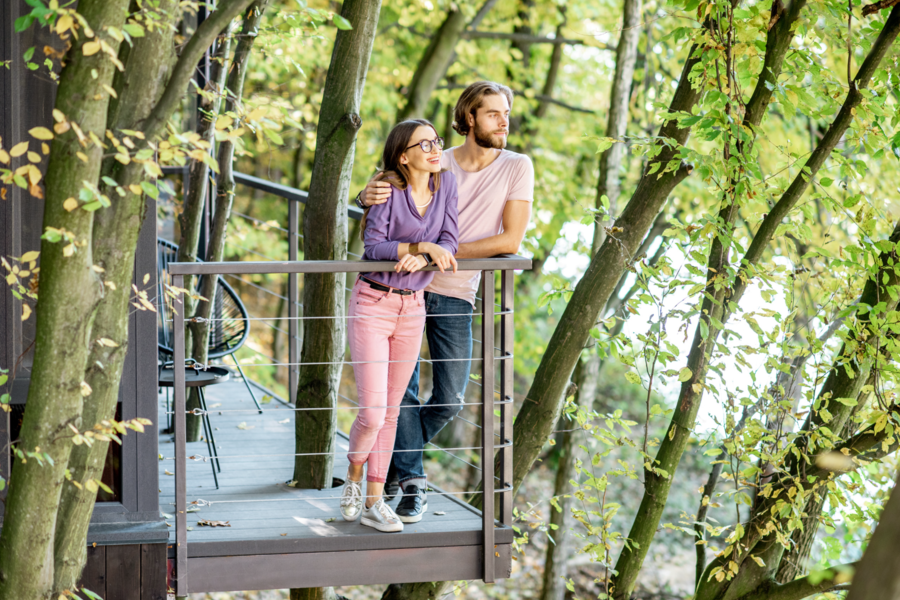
pixel 126 572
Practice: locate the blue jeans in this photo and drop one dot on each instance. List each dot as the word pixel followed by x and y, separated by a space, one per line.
pixel 448 338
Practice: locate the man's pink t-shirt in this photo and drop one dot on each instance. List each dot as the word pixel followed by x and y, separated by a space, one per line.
pixel 482 198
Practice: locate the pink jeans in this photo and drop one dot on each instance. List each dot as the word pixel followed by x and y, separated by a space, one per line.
pixel 383 327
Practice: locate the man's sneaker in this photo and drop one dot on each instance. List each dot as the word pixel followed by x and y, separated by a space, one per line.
pixel 351 500
pixel 392 484
pixel 381 517
pixel 412 505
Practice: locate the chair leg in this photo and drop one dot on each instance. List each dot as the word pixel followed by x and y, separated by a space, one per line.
pixel 210 438
pixel 246 383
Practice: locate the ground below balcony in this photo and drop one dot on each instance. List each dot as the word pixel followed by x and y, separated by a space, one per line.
pixel 273 527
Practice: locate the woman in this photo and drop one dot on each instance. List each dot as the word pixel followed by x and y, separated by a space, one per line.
pixel 416 226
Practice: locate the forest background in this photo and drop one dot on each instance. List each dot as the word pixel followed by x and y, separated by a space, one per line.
pixel 817 288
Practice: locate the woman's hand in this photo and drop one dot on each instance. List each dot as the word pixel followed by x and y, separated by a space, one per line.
pixel 410 263
pixel 443 260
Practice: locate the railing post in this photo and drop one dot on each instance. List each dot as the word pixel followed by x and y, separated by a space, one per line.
pixel 487 421
pixel 507 340
pixel 181 586
pixel 293 302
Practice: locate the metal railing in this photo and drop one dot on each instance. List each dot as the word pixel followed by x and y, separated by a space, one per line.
pixel 490 370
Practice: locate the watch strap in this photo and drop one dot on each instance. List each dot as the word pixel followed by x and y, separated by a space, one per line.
pixel 427 258
pixel 359 201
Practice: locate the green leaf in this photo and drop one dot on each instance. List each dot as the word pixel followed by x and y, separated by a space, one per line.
pixel 133 29
pixel 342 23
pixel 109 181
pixel 90 594
pixel 28 54
pixel 685 374
pixel 847 401
pixel 150 189
pixel 23 23
pixel 633 377
pixel 92 206
pixel 274 136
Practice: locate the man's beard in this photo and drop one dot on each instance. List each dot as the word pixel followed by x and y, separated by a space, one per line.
pixel 485 139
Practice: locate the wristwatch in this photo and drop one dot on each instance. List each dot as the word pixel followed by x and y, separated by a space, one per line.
pixel 428 258
pixel 359 202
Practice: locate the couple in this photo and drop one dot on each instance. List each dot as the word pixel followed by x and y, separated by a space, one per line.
pixel 427 207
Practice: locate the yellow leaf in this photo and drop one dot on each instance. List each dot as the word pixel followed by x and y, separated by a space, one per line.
pixel 34 174
pixel 41 133
pixel 110 91
pixel 91 48
pixel 108 343
pixel 758 561
pixel 257 114
pixel 224 122
pixel 11 279
pixel 45 148
pixel 4 157
pixel 85 389
pixel 69 250
pixel 61 128
pixel 135 189
pixel 82 156
pixel 34 157
pixel 58 115
pixel 26 312
pixel 19 149
pixel 64 23
pixel 146 278
pixel 30 256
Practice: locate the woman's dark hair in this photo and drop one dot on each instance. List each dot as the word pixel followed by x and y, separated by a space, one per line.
pixel 393 171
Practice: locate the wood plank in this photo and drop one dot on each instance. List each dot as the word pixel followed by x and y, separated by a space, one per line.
pixel 94 575
pixel 123 572
pixel 153 572
pixel 238 573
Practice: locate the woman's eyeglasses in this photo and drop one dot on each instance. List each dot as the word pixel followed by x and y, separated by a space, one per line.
pixel 428 145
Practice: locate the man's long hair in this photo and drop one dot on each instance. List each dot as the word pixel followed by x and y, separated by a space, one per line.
pixel 392 170
pixel 471 100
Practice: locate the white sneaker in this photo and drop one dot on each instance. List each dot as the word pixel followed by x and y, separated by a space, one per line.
pixel 351 500
pixel 381 517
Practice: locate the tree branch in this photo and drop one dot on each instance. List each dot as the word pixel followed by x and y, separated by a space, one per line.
pixel 803 587
pixel 532 39
pixel 184 69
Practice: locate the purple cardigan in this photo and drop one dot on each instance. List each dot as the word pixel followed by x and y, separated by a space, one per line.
pixel 397 221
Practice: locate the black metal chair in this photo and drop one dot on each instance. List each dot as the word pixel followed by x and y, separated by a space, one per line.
pixel 229 326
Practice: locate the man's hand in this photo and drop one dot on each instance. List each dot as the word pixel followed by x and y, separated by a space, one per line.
pixel 376 191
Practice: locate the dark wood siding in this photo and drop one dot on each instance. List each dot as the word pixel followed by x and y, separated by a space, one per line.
pixel 126 572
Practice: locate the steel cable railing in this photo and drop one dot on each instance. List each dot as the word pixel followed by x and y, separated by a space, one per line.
pixel 492 442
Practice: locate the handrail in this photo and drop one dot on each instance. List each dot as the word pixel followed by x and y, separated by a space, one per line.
pixel 285 191
pixel 504 262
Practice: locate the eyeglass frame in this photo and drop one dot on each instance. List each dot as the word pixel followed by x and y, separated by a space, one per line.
pixel 438 141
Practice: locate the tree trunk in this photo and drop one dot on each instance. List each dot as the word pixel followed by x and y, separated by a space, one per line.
pixel 608 183
pixel 437 59
pixel 194 204
pixel 877 575
pixel 553 586
pixel 115 234
pixel 325 238
pixel 215 251
pixel 67 302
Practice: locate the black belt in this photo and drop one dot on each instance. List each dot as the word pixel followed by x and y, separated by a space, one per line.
pixel 386 288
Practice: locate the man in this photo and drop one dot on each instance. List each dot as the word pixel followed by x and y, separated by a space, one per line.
pixel 496 190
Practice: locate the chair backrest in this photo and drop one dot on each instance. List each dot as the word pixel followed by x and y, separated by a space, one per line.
pixel 229 329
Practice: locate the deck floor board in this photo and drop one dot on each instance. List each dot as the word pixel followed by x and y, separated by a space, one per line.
pixel 253 495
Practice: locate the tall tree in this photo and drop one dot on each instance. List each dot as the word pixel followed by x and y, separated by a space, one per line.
pixel 325 238
pixel 438 56
pixel 83 302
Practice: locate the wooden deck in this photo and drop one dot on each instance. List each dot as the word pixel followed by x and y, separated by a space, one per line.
pixel 271 523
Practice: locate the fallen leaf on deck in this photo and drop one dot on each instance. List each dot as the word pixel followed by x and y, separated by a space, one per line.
pixel 168 516
pixel 216 405
pixel 329 519
pixel 285 421
pixel 440 513
pixel 190 528
pixel 206 523
pixel 168 524
pixel 193 509
pixel 244 425
pixel 283 534
pixel 167 472
pixel 291 483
